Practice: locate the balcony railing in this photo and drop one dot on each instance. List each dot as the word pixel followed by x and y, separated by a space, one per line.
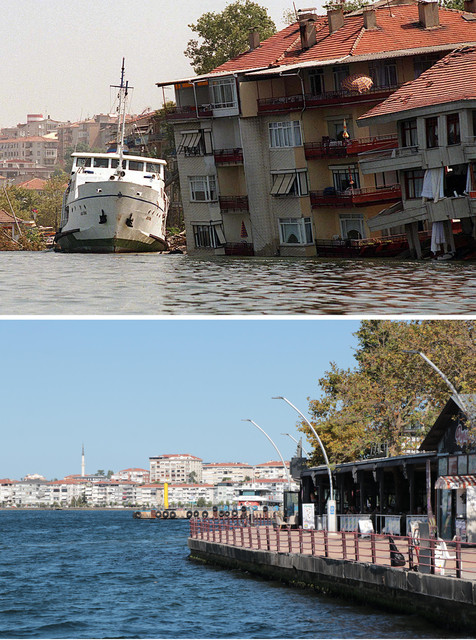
pixel 234 203
pixel 343 148
pixel 291 103
pixel 356 197
pixel 228 156
pixel 190 111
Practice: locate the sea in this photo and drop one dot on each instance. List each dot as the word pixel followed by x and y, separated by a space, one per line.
pixel 48 283
pixel 103 574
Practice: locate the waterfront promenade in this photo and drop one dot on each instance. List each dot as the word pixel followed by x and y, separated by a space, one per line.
pixel 437 579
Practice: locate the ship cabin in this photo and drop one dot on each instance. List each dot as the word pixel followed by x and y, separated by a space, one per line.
pixel 96 164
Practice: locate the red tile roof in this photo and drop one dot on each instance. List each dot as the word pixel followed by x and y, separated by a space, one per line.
pixel 35 184
pixel 451 79
pixel 398 29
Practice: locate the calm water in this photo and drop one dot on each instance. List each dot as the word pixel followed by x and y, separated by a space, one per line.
pixel 50 283
pixel 104 575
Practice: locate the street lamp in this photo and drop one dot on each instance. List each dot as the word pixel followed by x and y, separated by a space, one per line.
pixel 297 442
pixel 279 452
pixel 440 373
pixel 331 504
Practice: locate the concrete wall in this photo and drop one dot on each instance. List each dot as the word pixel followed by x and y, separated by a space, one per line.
pixel 446 601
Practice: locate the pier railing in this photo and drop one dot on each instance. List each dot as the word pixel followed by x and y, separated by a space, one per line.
pixel 452 558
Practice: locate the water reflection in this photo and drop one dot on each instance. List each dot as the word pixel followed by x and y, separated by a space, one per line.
pixel 49 283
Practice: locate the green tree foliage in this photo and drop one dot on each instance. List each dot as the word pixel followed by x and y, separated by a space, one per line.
pixel 50 200
pixel 224 35
pixel 391 396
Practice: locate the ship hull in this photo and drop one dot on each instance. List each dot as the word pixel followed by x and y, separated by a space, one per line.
pixel 113 217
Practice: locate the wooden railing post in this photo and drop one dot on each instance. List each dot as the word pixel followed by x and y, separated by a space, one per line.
pixel 356 545
pixel 458 557
pixel 344 545
pixel 372 546
pixel 326 544
pixel 268 543
pixel 411 561
pixel 290 542
pixel 300 541
pixel 258 535
pixel 313 542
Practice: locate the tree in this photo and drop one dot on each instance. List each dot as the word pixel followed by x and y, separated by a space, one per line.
pixel 50 201
pixel 391 397
pixel 225 35
pixel 192 477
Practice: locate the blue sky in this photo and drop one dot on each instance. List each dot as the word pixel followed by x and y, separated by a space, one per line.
pixel 130 389
pixel 60 56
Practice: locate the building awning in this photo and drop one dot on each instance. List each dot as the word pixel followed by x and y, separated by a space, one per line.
pixel 455 482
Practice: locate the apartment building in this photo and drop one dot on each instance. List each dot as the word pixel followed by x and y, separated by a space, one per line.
pixel 135 474
pixel 271 469
pixel 268 144
pixel 42 150
pixel 93 133
pixel 175 468
pixel 215 472
pixel 35 125
pixel 190 493
pixel 435 160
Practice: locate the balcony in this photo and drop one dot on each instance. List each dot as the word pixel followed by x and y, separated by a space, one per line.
pixel 356 197
pixel 390 159
pixel 189 112
pixel 230 204
pixel 344 148
pixel 228 156
pixel 283 104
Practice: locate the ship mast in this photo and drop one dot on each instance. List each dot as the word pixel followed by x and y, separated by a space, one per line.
pixel 121 115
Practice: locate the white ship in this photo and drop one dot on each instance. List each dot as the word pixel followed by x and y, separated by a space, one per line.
pixel 114 202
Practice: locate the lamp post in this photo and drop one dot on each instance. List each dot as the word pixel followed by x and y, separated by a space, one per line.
pixel 278 451
pixel 331 503
pixel 442 375
pixel 297 442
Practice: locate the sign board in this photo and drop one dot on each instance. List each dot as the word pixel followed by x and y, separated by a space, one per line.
pixel 308 521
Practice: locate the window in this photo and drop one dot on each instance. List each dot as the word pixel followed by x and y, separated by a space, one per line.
pixel 352 226
pixel 386 179
pixel 285 134
pixel 423 63
pixel 291 183
pixel 336 128
pixel 208 236
pixel 408 130
pixel 103 163
pixel 340 73
pixel 83 162
pixel 195 143
pixel 346 178
pixel 203 188
pixel 316 82
pixel 224 93
pixel 452 129
pixel 134 165
pixel 384 74
pixel 413 183
pixel 295 231
pixel 431 126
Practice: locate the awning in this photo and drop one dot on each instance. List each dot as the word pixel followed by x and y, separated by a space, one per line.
pixel 455 482
pixel 283 183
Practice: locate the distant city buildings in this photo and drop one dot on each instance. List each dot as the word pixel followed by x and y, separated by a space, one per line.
pixel 189 482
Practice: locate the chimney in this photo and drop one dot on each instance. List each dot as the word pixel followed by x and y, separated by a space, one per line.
pixel 307 30
pixel 253 39
pixel 370 18
pixel 470 6
pixel 335 18
pixel 428 14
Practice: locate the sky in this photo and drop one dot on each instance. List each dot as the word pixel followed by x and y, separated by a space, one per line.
pixel 60 57
pixel 130 389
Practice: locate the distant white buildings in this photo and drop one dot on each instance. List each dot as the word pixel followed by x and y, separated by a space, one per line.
pixel 189 482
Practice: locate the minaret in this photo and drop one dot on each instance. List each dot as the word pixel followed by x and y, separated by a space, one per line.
pixel 82 463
